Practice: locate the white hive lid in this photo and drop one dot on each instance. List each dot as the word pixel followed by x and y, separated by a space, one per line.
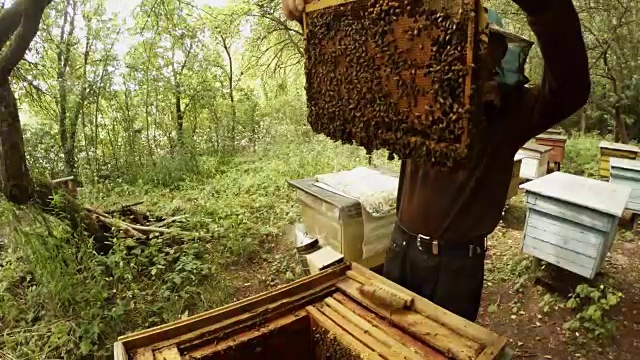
pixel 589 193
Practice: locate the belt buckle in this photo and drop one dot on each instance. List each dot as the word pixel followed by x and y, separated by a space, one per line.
pixel 419 240
pixel 434 244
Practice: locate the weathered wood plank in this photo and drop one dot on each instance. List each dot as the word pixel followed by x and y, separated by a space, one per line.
pixel 119 352
pixel 344 337
pixel 425 329
pixel 460 325
pixel 550 258
pixel 285 338
pixel 359 334
pixel 571 230
pixel 242 322
pixel 493 352
pixel 588 193
pixel 424 351
pixel 575 213
pixel 144 354
pixel 564 242
pixel 196 322
pixel 559 252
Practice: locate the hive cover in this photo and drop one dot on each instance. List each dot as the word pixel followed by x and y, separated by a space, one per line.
pixel 394 75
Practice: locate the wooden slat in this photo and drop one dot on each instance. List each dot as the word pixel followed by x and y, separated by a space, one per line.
pixel 408 300
pixel 293 323
pixel 563 242
pixel 181 327
pixel 371 342
pixel 168 353
pixel 144 354
pixel 341 335
pixel 580 270
pixel 559 252
pixel 571 230
pixel 494 351
pixel 385 340
pixel 318 5
pixel 575 213
pixel 425 329
pixel 239 323
pixel 460 325
pixel 423 350
pixel 119 352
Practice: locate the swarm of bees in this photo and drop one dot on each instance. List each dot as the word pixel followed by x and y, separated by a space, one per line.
pixel 394 75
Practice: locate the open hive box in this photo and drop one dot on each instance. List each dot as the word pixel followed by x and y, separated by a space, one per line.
pixel 396 75
pixel 325 316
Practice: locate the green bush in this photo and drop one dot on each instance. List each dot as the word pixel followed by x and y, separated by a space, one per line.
pixel 582 155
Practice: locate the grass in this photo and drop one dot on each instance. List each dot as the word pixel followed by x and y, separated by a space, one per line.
pixel 58 299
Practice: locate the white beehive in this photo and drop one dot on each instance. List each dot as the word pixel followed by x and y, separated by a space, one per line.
pixel 535 162
pixel 627 173
pixel 572 220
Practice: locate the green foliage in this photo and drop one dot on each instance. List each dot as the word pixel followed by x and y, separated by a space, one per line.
pixel 593 305
pixel 58 299
pixel 582 155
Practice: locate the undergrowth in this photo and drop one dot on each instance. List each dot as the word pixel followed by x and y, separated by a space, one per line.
pixel 59 299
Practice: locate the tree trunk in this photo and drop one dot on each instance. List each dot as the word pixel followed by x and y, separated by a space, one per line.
pixel 14 172
pixel 621 127
pixel 583 121
pixel 179 117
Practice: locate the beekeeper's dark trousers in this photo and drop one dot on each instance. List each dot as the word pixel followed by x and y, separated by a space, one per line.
pixel 449 275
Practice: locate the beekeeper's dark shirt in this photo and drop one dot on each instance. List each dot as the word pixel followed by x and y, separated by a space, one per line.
pixel 460 205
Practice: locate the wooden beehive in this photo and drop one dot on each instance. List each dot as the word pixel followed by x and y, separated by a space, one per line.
pixel 572 220
pixel 395 75
pixel 338 221
pixel 515 176
pixel 557 142
pixel 535 163
pixel 324 316
pixel 610 150
pixel 626 172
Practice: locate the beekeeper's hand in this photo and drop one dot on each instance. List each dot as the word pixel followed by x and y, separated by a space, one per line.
pixel 293 9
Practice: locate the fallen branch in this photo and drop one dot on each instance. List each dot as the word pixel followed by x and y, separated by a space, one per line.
pixel 144 229
pixel 169 221
pixel 96 211
pixel 126 228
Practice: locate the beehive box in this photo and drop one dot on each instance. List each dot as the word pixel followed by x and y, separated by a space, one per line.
pixel 609 150
pixel 626 172
pixel 338 221
pixel 324 316
pixel 572 220
pixel 395 75
pixel 515 176
pixel 535 162
pixel 557 142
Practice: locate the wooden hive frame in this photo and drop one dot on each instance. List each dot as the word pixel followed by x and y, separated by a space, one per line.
pixel 327 306
pixel 397 91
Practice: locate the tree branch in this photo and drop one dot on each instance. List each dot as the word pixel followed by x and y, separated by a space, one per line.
pixel 28 29
pixel 9 21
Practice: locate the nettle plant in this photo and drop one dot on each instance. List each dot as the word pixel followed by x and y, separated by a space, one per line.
pixel 593 304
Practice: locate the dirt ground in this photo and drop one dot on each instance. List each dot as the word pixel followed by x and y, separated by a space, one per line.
pixel 514 299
